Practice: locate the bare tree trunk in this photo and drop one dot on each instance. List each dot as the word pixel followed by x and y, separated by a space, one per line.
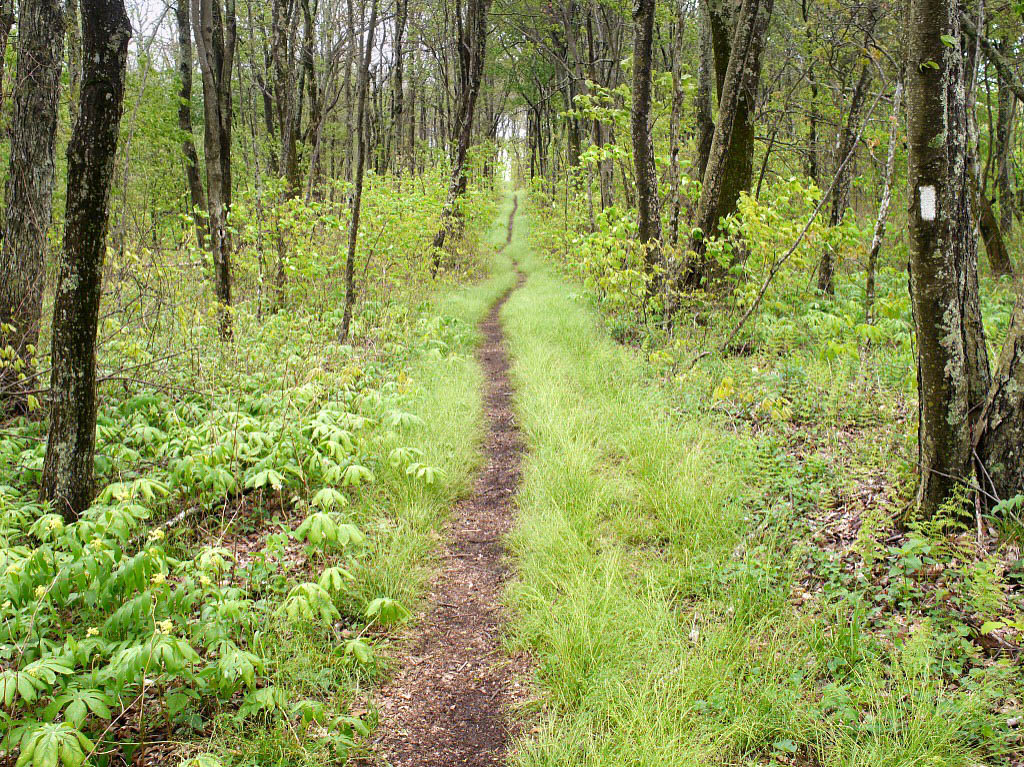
pixel 397 111
pixel 214 29
pixel 705 72
pixel 74 34
pixel 952 364
pixel 742 75
pixel 29 195
pixel 1005 116
pixel 844 146
pixel 886 201
pixel 472 57
pixel 648 202
pixel 812 111
pixel 68 467
pixel 197 197
pixel 675 124
pixel 357 196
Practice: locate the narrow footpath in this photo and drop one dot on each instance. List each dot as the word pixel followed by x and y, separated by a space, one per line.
pixel 447 705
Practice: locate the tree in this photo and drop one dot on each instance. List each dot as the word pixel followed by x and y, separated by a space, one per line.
pixel 357 195
pixel 68 466
pixel 845 144
pixel 952 365
pixel 197 198
pixel 29 194
pixel 214 28
pixel 472 55
pixel 648 203
pixel 729 155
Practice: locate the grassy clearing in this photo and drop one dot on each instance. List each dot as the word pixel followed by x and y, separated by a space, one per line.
pixel 657 593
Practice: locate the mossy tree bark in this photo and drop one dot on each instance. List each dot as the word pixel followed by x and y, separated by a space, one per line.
pixel 29 195
pixel 648 203
pixel 730 162
pixel 952 364
pixel 71 441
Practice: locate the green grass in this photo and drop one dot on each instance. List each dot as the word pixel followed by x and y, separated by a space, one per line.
pixel 657 602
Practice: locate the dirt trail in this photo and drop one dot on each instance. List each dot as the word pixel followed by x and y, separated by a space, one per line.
pixel 447 705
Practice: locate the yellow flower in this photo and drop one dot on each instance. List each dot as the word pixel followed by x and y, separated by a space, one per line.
pixel 204 581
pixel 92 631
pixel 40 592
pixel 156 535
pixel 158 579
pixel 165 627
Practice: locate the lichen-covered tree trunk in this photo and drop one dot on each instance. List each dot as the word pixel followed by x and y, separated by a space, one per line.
pixel 952 365
pixel 883 206
pixel 197 197
pixel 845 145
pixel 472 46
pixel 214 29
pixel 1005 115
pixel 738 87
pixel 29 195
pixel 648 203
pixel 738 169
pixel 1000 429
pixel 68 466
pixel 705 124
pixel 675 125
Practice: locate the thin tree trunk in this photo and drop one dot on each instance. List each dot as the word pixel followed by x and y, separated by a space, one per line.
pixel 397 111
pixel 29 195
pixel 952 363
pixel 68 466
pixel 844 146
pixel 472 58
pixel 886 201
pixel 74 35
pixel 214 29
pixel 675 125
pixel 357 196
pixel 702 105
pixel 197 197
pixel 1006 113
pixel 648 202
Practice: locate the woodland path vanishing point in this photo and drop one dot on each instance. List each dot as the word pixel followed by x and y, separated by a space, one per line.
pixel 447 705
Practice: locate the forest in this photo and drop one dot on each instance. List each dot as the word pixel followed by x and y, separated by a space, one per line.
pixel 465 383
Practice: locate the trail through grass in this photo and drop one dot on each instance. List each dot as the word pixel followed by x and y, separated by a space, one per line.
pixel 658 605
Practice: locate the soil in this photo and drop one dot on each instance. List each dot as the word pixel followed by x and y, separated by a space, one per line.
pixel 447 704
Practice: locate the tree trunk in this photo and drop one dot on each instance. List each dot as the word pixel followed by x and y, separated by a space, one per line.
pixel 812 111
pixel 398 108
pixel 197 197
pixel 472 57
pixel 675 124
pixel 844 146
pixel 722 176
pixel 74 34
pixel 71 442
pixel 214 28
pixel 29 195
pixel 951 360
pixel 886 201
pixel 648 202
pixel 357 195
pixel 1005 116
pixel 705 124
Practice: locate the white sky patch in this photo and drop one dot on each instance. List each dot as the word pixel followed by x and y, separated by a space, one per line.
pixel 927 195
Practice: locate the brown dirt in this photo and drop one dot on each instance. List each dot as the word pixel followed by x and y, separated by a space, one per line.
pixel 447 704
